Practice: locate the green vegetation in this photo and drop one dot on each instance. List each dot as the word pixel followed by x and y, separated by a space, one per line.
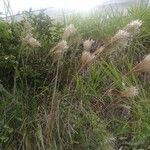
pixel 48 103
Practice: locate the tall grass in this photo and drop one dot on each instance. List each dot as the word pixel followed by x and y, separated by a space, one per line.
pixel 7 8
pixel 51 102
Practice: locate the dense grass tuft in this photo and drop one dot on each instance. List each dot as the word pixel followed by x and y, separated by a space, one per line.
pixel 51 99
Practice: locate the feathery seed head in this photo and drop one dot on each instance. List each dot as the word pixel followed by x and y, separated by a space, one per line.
pixel 130 92
pixel 60 49
pixel 27 27
pixel 27 36
pixel 87 57
pixel 120 39
pixel 87 44
pixel 63 45
pixel 99 50
pixel 34 43
pixel 144 65
pixel 28 40
pixel 69 31
pixel 133 27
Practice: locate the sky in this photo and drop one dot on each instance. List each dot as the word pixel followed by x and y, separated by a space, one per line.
pixel 79 5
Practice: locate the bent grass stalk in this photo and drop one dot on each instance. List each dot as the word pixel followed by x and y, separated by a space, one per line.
pixel 51 117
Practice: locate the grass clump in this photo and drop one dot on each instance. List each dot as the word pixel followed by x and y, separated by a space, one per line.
pixel 61 92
